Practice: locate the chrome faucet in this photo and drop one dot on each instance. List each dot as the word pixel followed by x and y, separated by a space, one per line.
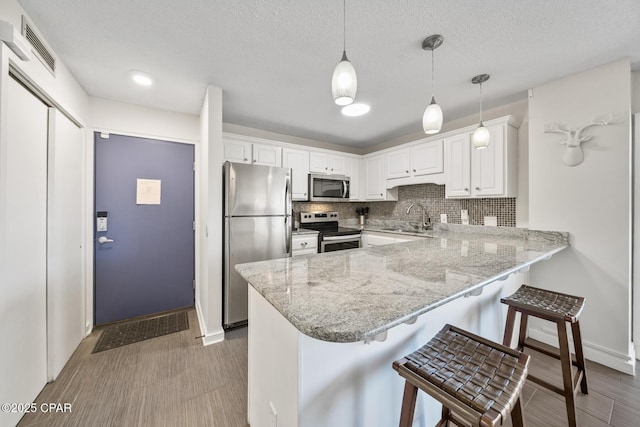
pixel 425 224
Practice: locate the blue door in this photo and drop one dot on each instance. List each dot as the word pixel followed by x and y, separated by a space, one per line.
pixel 144 260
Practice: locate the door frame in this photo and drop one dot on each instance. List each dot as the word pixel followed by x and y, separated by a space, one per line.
pixel 90 158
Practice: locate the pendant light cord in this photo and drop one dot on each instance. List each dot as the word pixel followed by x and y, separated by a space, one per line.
pixel 344 25
pixel 433 75
pixel 480 103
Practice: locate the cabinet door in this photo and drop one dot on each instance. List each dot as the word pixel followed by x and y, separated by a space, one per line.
pixel 237 151
pixel 457 159
pixel 338 165
pixel 298 161
pixel 427 158
pixel 487 166
pixel 398 163
pixel 318 162
pixel 374 178
pixel 267 155
pixel 353 171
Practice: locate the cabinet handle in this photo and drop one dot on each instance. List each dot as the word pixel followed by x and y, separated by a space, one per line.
pixel 466 189
pixel 380 194
pixel 477 188
pixel 407 171
pixel 327 168
pixel 245 159
pixel 414 171
pixel 254 161
pixel 305 194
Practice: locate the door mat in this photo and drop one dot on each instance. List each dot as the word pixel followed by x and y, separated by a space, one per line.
pixel 132 332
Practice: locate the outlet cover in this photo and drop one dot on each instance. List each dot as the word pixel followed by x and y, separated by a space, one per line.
pixel 464 216
pixel 491 221
pixel 443 218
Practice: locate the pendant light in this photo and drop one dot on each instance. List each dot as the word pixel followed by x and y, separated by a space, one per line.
pixel 481 136
pixel 432 117
pixel 344 82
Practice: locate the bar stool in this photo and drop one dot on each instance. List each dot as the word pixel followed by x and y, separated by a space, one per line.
pixel 560 309
pixel 476 380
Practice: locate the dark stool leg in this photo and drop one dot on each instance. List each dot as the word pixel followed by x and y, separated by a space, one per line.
pixel 567 375
pixel 408 404
pixel 524 320
pixel 577 343
pixel 517 420
pixel 444 421
pixel 508 328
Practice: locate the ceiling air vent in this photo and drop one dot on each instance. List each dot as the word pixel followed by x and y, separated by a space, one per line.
pixel 39 48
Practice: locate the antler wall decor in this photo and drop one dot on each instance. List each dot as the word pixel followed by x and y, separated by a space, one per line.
pixel 573 154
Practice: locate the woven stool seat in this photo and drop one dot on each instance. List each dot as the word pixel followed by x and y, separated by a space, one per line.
pixel 479 380
pixel 560 309
pixel 546 304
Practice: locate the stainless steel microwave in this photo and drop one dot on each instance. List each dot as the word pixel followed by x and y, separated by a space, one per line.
pixel 329 188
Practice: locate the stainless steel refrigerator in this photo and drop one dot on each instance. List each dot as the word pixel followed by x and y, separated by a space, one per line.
pixel 257 227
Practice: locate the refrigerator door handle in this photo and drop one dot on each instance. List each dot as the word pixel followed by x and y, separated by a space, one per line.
pixel 287 227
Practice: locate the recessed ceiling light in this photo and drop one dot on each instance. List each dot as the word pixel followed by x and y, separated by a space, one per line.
pixel 356 109
pixel 143 79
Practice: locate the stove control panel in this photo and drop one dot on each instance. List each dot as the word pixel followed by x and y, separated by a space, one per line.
pixel 306 217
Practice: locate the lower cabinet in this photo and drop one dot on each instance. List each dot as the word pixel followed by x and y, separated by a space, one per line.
pixel 372 238
pixel 302 244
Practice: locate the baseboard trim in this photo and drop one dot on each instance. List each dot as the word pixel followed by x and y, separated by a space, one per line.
pixel 615 360
pixel 208 338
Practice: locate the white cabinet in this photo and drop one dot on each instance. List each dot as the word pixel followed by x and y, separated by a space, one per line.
pixel 420 163
pixel 370 239
pixel 298 161
pixel 399 163
pixel 353 171
pixel 427 158
pixel 237 151
pixel 302 244
pixel 374 178
pixel 267 155
pixel 458 169
pixel 327 163
pixel 242 150
pixel 489 172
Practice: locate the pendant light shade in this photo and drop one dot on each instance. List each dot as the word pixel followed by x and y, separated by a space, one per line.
pixel 481 136
pixel 432 117
pixel 344 82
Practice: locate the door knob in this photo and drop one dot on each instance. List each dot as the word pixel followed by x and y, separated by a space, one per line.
pixel 103 239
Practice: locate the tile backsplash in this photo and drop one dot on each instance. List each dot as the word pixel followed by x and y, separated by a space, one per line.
pixel 429 195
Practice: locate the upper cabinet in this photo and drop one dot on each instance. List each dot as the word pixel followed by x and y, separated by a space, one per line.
pixel 241 149
pixel 375 179
pixel 298 161
pixel 416 164
pixel 489 172
pixel 334 164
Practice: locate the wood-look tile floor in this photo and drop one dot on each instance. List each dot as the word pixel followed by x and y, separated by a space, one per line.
pixel 171 380
pixel 175 381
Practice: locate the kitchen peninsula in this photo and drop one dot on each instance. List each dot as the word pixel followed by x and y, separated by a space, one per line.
pixel 325 328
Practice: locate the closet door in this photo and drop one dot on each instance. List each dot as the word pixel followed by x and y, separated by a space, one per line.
pixel 65 285
pixel 23 223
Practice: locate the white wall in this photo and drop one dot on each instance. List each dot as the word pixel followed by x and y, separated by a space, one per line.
pixel 591 201
pixel 134 120
pixel 209 222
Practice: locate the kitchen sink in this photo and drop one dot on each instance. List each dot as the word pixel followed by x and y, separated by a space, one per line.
pixel 406 230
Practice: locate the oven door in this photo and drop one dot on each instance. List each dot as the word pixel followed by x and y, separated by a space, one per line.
pixel 339 243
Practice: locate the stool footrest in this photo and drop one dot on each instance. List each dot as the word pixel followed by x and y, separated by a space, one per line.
pixel 528 344
pixel 555 388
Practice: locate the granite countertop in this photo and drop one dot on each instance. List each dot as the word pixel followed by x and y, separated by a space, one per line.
pixel 355 295
pixel 300 231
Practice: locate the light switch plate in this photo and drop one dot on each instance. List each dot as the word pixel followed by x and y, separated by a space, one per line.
pixel 464 216
pixel 443 218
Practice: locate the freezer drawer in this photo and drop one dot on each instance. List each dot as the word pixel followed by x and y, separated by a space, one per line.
pixel 249 239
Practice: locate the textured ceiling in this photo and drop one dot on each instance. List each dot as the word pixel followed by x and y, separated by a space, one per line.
pixel 274 58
